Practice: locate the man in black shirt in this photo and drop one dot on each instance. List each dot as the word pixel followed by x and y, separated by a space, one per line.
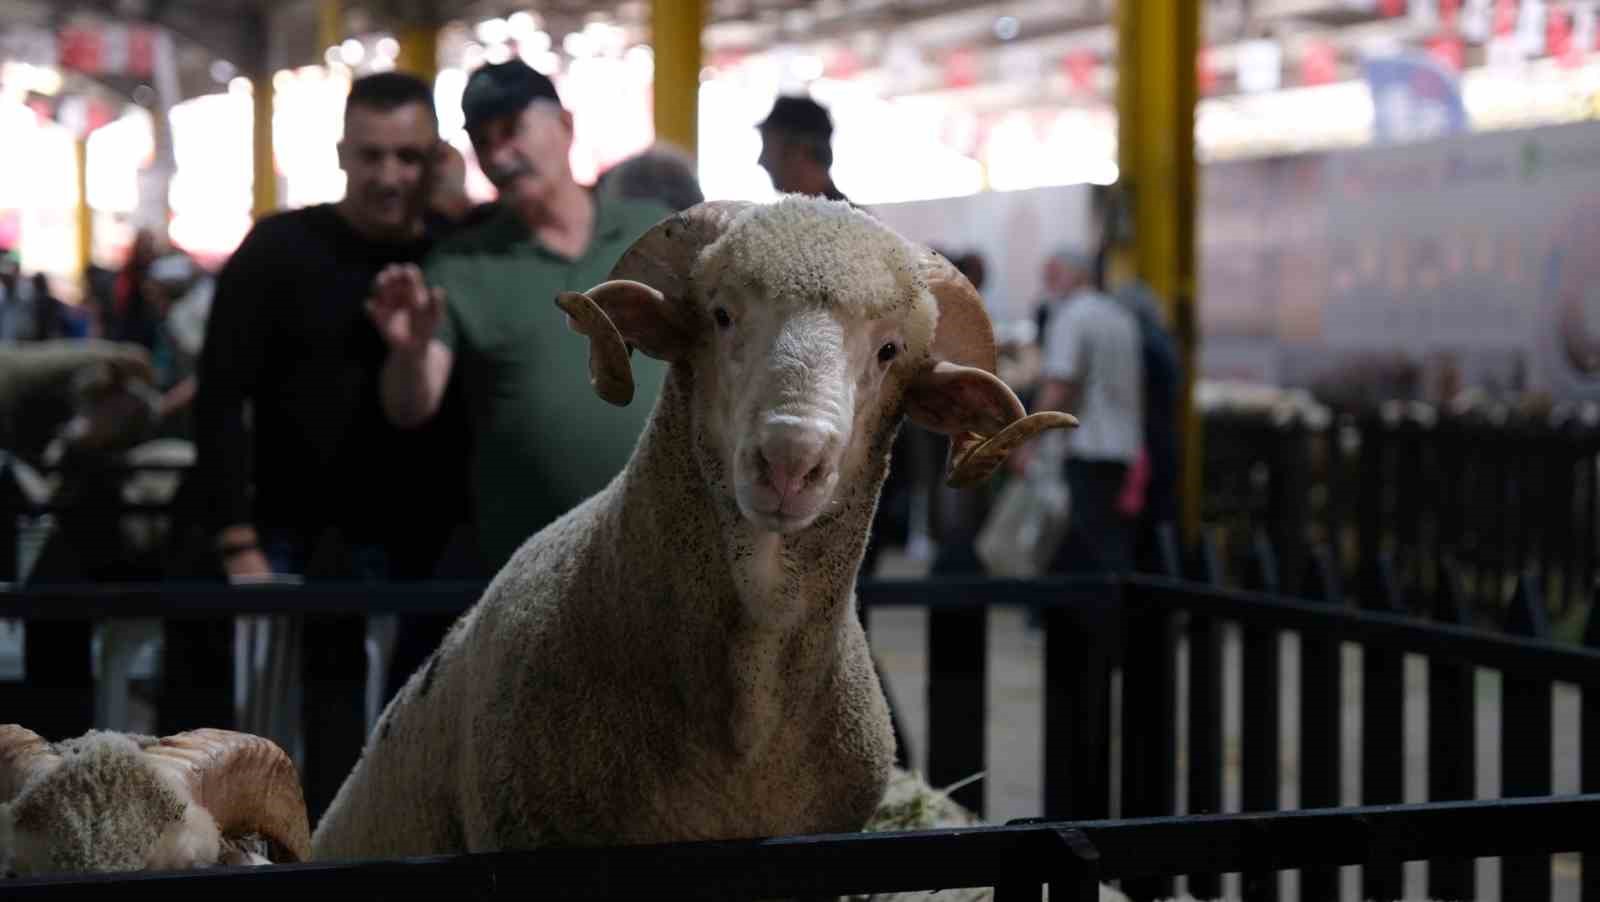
pixel 288 334
pixel 314 458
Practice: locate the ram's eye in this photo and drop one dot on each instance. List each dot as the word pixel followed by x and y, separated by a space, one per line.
pixel 888 352
pixel 722 318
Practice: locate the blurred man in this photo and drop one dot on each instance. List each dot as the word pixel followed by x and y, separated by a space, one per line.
pixel 541 444
pixel 662 172
pixel 287 337
pixel 797 148
pixel 1092 367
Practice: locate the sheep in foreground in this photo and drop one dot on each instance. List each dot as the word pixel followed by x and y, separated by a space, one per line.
pixel 679 657
pixel 115 802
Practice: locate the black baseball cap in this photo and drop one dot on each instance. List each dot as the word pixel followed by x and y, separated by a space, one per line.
pixel 499 89
pixel 799 114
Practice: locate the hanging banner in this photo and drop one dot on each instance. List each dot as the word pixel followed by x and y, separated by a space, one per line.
pixel 1413 98
pixel 1473 260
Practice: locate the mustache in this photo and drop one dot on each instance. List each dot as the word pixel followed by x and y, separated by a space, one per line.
pixel 500 176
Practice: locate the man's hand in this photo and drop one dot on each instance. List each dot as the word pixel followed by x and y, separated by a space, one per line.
pixel 403 307
pixel 246 566
pixel 240 550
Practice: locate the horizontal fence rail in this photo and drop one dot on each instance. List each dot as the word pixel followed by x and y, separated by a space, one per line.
pixel 1019 860
pixel 1092 630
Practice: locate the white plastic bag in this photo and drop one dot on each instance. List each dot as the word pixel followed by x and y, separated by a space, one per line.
pixel 1028 521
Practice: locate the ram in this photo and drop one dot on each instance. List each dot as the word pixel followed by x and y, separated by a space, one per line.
pixel 680 656
pixel 116 802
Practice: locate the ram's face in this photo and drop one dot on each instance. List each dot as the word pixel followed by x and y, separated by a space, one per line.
pixel 796 388
pixel 804 331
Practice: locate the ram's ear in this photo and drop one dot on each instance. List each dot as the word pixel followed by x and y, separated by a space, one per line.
pixel 618 316
pixel 982 416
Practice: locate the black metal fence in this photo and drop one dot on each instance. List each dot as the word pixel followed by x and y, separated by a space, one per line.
pixel 1019 860
pixel 1400 494
pixel 1141 630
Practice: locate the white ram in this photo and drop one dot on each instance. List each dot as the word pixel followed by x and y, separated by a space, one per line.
pixel 680 657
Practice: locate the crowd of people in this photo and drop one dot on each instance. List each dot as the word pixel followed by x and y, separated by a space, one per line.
pixel 381 387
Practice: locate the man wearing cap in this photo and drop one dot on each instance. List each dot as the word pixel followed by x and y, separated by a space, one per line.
pixel 797 148
pixel 484 317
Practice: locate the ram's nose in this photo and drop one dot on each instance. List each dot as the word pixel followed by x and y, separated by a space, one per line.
pixel 795 456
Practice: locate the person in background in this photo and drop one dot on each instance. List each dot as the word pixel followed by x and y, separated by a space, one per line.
pixel 1163 380
pixel 484 317
pixel 797 148
pixel 308 486
pixel 16 300
pixel 450 208
pixel 663 173
pixel 488 329
pixel 1092 367
pixel 131 318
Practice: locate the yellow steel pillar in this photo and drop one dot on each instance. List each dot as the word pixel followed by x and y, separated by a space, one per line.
pixel 330 24
pixel 266 168
pixel 85 213
pixel 675 27
pixel 1157 46
pixel 419 49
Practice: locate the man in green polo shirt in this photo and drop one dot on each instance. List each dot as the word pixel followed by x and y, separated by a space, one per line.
pixel 485 313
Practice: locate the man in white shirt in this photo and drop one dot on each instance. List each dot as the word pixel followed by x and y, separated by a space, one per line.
pixel 1092 367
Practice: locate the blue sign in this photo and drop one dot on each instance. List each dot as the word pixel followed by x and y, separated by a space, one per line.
pixel 1414 98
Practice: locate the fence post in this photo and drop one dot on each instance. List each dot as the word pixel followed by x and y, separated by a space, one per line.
pixel 1149 722
pixel 1525 740
pixel 1082 884
pixel 1452 733
pixel 1383 683
pixel 197 675
pixel 1261 574
pixel 1205 727
pixel 1167 545
pixel 1081 645
pixel 1370 500
pixel 1589 749
pixel 334 705
pixel 1289 489
pixel 12 505
pixel 1321 707
pixel 958 681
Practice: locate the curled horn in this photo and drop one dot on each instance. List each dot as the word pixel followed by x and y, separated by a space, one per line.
pixel 23 755
pixel 658 265
pixel 246 782
pixel 661 258
pixel 965 337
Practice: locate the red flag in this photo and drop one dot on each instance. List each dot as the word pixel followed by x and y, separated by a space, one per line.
pixel 1205 72
pixel 1319 64
pixel 141 52
pixel 79 49
pixel 1505 17
pixel 1080 66
pixel 961 69
pixel 1447 50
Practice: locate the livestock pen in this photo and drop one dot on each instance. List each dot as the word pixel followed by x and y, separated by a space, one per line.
pixel 1136 680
